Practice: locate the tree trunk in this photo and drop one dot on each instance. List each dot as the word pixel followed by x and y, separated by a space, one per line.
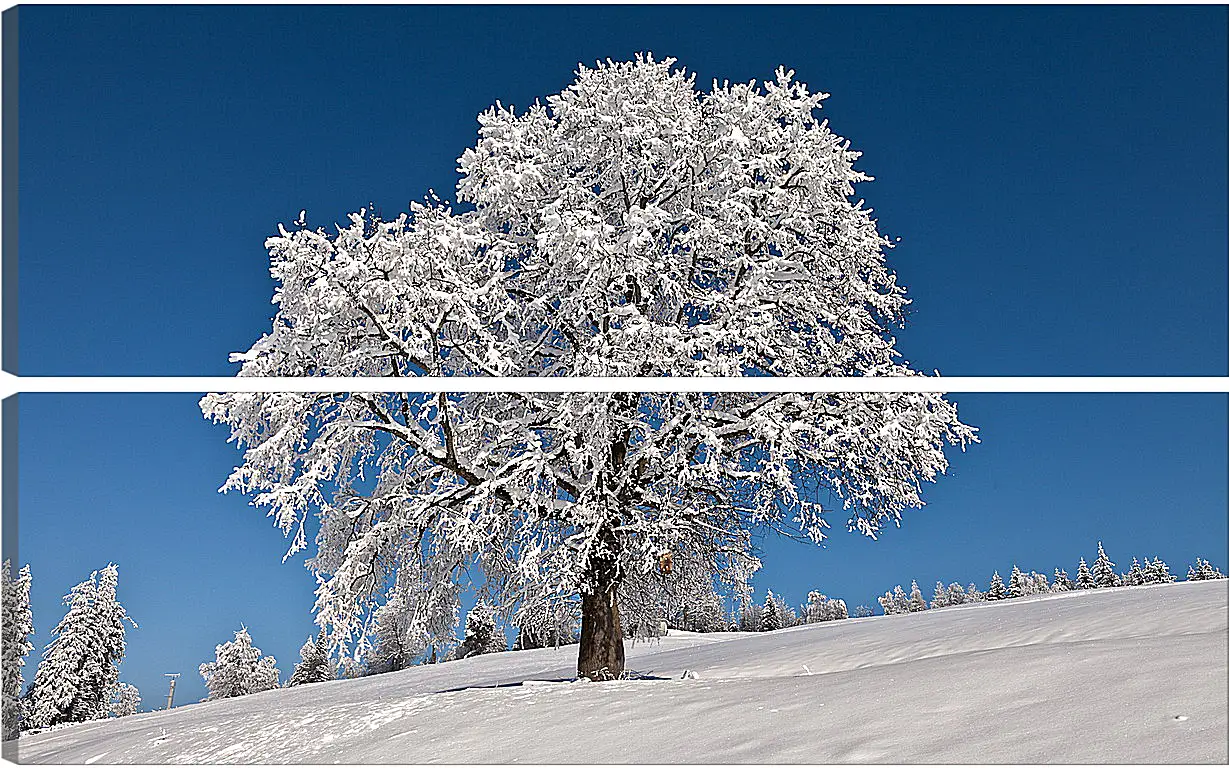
pixel 601 635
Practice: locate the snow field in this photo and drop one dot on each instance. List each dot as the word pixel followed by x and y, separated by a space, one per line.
pixel 1124 675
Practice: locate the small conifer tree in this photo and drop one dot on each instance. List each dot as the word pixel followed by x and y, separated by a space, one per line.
pixel 1103 569
pixel 1062 582
pixel 940 599
pixel 481 634
pixel 1135 576
pixel 1015 587
pixel 956 594
pixel 1084 578
pixel 771 618
pixel 314 665
pixel 916 601
pixel 997 590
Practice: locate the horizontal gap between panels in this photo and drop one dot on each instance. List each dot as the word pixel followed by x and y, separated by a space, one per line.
pixel 10 384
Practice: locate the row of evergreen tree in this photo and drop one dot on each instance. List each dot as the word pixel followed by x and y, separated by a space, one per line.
pixel 78 677
pixel 1100 576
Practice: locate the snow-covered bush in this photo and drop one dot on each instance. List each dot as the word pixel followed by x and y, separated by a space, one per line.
pixel 125 700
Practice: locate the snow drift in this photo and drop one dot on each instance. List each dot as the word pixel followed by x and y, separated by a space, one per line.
pixel 1107 676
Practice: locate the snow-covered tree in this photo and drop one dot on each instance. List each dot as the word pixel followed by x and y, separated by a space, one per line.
pixel 997 591
pixel 1203 570
pixel 125 700
pixel 704 614
pixel 1084 578
pixel 956 594
pixel 1210 571
pixel 1156 571
pixel 678 590
pixel 314 664
pixel 1062 582
pixel 629 226
pixel 1103 570
pixel 1135 576
pixel 816 607
pixel 481 634
pixel 820 607
pixel 862 611
pixel 771 619
pixel 239 669
pixel 751 618
pixel 546 624
pixel 895 602
pixel 974 595
pixel 916 601
pixel 940 598
pixel 15 640
pixel 1015 585
pixel 80 667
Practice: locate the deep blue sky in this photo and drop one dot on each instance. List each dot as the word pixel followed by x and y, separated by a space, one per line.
pixel 1058 175
pixel 132 479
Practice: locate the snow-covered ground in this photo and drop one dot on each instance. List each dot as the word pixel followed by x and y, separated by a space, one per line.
pixel 1108 676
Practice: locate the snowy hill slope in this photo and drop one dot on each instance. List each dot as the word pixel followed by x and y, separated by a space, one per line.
pixel 1125 675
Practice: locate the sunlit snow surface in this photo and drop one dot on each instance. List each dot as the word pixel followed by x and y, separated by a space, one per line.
pixel 1124 675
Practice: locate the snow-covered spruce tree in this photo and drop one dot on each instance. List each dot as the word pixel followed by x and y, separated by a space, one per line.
pixel 996 591
pixel 956 594
pixel 888 604
pixel 17 627
pixel 1015 585
pixel 125 700
pixel 239 669
pixel 916 601
pixel 314 664
pixel 79 671
pixel 481 634
pixel 1135 576
pixel 1203 570
pixel 1103 570
pixel 900 600
pixel 751 618
pixel 629 226
pixel 1062 582
pixel 1084 578
pixel 940 598
pixel 862 612
pixel 974 595
pixel 771 619
pixel 1156 571
pixel 1210 571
